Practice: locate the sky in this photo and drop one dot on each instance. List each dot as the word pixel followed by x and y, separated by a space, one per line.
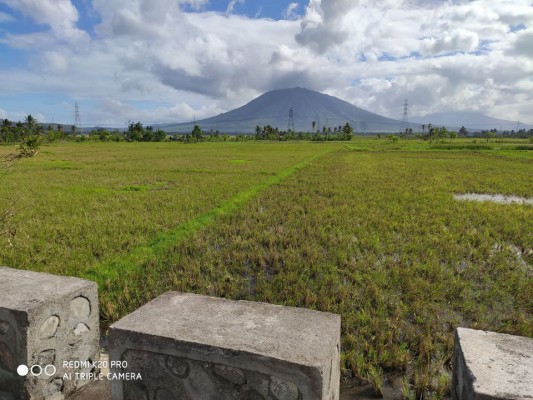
pixel 162 61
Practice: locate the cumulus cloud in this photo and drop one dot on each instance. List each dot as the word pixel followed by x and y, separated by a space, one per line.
pixel 51 62
pixel 323 24
pixel 459 40
pixel 374 53
pixel 440 55
pixel 60 15
pixel 523 44
pixel 139 19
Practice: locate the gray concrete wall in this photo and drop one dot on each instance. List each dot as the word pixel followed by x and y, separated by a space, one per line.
pixel 489 365
pixel 45 319
pixel 187 346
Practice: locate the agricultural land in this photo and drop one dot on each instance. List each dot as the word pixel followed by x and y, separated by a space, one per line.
pixel 368 229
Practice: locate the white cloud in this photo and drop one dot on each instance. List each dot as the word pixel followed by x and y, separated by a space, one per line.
pixel 404 44
pixel 290 11
pixel 110 108
pixel 459 40
pixel 323 25
pixel 30 41
pixel 232 4
pixel 523 44
pixel 51 62
pixel 439 55
pixel 60 15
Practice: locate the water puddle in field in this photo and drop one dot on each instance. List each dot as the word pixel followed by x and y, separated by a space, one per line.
pixel 494 198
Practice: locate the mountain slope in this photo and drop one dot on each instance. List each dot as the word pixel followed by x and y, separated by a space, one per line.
pixel 470 120
pixel 272 108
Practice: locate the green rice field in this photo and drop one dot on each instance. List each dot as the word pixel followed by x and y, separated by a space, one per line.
pixel 368 229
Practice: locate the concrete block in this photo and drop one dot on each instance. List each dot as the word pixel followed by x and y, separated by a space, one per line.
pixel 45 320
pixel 489 365
pixel 187 346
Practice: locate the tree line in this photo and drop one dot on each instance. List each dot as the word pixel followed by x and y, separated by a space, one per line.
pixel 430 132
pixel 268 132
pixel 30 132
pixel 21 131
pixel 30 128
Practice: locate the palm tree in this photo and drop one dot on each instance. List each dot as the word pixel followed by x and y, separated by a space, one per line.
pixel 30 122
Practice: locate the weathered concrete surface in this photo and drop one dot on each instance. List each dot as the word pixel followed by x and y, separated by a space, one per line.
pixel 187 346
pixel 489 365
pixel 45 320
pixel 96 390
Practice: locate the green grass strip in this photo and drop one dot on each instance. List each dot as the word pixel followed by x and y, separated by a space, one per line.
pixel 119 268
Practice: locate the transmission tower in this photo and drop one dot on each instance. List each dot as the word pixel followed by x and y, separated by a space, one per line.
pixel 290 125
pixel 405 119
pixel 77 120
pixel 317 120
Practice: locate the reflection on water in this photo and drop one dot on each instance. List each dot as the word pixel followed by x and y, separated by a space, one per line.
pixel 495 198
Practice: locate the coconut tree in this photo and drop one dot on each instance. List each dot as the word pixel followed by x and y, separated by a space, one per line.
pixel 30 123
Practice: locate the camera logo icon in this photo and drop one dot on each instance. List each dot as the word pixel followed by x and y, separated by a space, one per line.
pixel 36 370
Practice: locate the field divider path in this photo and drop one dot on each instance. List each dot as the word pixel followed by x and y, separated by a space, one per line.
pixel 114 273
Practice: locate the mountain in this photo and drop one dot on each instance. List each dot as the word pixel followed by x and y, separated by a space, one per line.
pixel 470 120
pixel 272 108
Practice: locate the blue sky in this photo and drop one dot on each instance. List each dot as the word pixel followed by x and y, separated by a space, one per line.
pixel 274 9
pixel 172 60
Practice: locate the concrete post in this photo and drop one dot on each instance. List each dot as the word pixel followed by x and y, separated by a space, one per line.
pixel 187 346
pixel 489 365
pixel 45 320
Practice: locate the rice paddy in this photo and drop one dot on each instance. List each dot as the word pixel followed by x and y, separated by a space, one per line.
pixel 370 230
